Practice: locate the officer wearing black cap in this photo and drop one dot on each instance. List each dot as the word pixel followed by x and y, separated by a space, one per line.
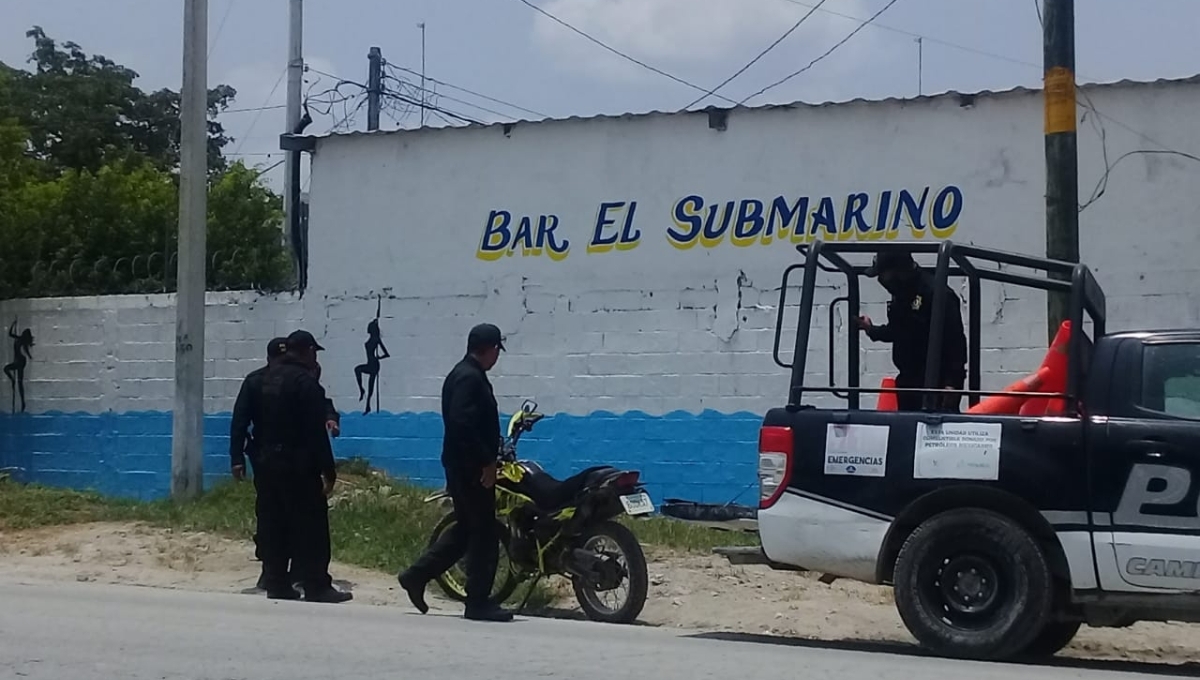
pixel 294 473
pixel 470 448
pixel 907 329
pixel 241 440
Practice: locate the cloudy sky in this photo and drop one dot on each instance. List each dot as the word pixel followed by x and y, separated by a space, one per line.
pixel 507 51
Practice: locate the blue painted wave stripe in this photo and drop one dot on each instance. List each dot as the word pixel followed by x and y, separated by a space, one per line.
pixel 709 457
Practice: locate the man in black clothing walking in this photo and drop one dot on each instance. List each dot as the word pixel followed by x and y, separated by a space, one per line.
pixel 909 315
pixel 470 448
pixel 294 473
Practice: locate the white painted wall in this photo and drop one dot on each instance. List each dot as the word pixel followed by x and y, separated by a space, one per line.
pixel 658 328
pixel 117 353
pixel 654 327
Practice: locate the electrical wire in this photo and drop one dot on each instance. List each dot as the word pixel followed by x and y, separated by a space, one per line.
pixel 401 97
pixel 828 52
pixel 470 92
pixel 419 89
pixel 258 115
pixel 212 45
pixel 762 54
pixel 619 53
pixel 926 38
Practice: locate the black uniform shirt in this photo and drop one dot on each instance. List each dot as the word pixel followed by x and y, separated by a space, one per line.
pixel 909 315
pixel 287 408
pixel 470 416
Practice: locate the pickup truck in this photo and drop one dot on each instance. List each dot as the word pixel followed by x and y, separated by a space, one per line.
pixel 1000 534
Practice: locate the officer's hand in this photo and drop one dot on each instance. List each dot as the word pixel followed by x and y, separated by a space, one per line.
pixel 489 476
pixel 864 323
pixel 328 485
pixel 333 428
pixel 239 472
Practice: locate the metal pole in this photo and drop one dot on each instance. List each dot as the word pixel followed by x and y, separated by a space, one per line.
pixel 295 79
pixel 374 87
pixel 920 67
pixel 422 25
pixel 187 430
pixel 1062 161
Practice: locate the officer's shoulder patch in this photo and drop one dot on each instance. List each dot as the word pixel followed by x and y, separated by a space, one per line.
pixel 916 303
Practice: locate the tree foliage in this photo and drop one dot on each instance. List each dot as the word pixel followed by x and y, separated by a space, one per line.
pixel 89 185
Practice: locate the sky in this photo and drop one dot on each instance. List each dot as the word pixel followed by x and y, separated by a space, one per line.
pixel 506 50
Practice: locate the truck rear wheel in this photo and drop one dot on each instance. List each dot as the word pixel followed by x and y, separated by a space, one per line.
pixel 1055 636
pixel 971 583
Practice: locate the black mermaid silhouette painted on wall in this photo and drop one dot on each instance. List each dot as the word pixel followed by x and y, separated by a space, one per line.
pixel 374 345
pixel 15 370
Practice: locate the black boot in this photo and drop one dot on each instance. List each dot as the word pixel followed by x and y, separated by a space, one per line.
pixel 488 612
pixel 328 595
pixel 415 590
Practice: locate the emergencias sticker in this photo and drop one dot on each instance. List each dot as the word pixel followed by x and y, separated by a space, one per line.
pixel 856 450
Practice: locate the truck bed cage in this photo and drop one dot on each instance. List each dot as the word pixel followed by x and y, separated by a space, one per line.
pixel 1052 276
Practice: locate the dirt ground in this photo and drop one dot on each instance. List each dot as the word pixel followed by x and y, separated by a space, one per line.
pixel 694 592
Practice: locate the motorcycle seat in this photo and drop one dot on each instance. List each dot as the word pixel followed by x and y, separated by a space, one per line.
pixel 550 493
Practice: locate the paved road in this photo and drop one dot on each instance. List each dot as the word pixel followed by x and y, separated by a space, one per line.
pixel 88 631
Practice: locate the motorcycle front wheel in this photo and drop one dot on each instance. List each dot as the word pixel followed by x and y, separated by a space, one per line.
pixel 453 581
pixel 617 542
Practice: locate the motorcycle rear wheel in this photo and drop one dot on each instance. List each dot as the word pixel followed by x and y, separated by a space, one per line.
pixel 637 577
pixel 454 584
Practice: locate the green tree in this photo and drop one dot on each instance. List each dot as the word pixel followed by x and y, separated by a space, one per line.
pixel 83 111
pixel 89 190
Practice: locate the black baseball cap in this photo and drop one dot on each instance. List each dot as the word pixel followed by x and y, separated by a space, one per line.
pixel 276 347
pixel 889 260
pixel 302 340
pixel 483 336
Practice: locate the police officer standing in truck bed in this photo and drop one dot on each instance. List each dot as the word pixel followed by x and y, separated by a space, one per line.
pixel 294 473
pixel 909 316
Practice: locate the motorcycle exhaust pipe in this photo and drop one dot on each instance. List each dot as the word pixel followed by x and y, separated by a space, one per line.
pixel 583 563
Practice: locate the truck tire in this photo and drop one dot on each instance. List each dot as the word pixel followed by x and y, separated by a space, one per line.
pixel 973 584
pixel 1052 639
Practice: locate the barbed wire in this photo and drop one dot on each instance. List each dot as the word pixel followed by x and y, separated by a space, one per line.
pixel 227 269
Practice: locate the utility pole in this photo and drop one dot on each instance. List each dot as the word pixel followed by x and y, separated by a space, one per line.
pixel 295 80
pixel 1062 160
pixel 374 87
pixel 422 26
pixel 187 429
pixel 920 66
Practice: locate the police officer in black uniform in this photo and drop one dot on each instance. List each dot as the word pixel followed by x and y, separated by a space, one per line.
pixel 241 440
pixel 470 447
pixel 907 328
pixel 294 473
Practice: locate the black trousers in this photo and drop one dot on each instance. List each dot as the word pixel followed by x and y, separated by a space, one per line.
pixel 473 534
pixel 293 526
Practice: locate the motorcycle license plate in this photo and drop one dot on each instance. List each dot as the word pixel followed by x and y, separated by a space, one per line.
pixel 637 504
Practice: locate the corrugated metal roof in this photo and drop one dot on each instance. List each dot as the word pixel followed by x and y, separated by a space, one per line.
pixel 1189 80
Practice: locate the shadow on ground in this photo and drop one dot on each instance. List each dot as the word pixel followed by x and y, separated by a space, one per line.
pixel 1188 670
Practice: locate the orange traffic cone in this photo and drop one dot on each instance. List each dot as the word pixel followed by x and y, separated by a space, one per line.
pixel 887 400
pixel 1035 407
pixel 1056 360
pixel 1005 404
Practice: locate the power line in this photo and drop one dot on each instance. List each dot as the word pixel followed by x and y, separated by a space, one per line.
pixel 619 53
pixel 400 97
pixel 258 115
pixel 446 96
pixel 252 109
pixel 926 38
pixel 471 92
pixel 762 54
pixel 212 46
pixel 828 52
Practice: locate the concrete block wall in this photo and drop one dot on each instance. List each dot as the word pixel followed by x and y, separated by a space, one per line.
pixel 651 354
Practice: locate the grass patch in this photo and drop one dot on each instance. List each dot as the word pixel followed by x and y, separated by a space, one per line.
pixel 376 522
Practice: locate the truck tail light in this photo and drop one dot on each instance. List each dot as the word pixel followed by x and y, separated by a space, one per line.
pixel 775 448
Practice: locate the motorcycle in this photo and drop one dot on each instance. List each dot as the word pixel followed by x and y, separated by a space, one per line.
pixel 562 527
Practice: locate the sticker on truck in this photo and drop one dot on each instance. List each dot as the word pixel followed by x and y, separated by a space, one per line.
pixel 857 450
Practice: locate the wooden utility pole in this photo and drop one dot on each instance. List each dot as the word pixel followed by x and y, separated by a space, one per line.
pixel 1062 160
pixel 187 429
